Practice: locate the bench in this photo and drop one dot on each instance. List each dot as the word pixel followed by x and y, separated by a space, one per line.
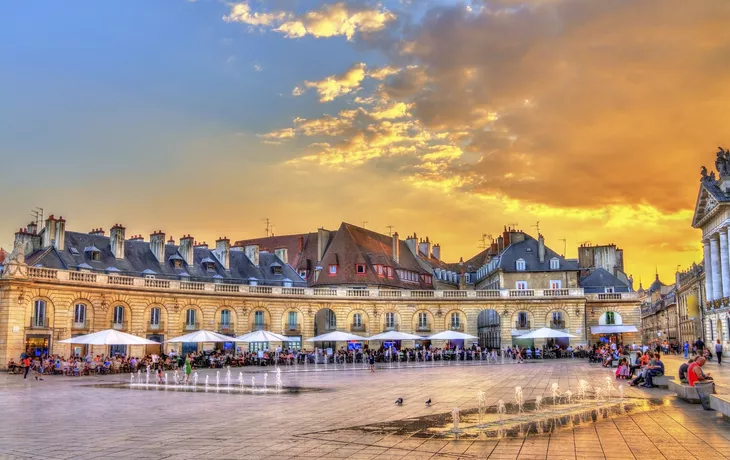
pixel 721 403
pixel 684 391
pixel 662 381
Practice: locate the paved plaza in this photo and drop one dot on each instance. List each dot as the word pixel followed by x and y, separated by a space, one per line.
pixel 67 418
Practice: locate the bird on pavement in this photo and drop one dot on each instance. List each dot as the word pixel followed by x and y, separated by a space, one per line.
pixel 428 402
pixel 399 401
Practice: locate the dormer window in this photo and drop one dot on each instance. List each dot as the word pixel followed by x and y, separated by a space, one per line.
pixel 360 269
pixel 554 263
pixel 303 273
pixel 520 265
pixel 389 272
pixel 177 263
pixel 333 270
pixel 379 270
pixel 276 269
pixel 93 252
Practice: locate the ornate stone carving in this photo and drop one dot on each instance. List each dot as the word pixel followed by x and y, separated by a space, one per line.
pixel 722 163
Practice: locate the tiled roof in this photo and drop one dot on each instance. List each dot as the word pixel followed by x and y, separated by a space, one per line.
pixel 527 250
pixel 139 260
pixel 601 277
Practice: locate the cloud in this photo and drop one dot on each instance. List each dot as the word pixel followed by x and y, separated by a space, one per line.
pixel 338 19
pixel 257 68
pixel 334 86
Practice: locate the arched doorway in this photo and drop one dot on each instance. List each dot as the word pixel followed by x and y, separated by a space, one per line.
pixel 325 320
pixel 489 329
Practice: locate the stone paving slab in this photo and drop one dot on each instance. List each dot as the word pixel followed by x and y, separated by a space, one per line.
pixel 80 421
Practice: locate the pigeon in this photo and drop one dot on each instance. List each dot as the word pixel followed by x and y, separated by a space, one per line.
pixel 399 401
pixel 428 402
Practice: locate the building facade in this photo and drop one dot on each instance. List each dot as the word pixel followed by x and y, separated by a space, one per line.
pixel 691 302
pixel 712 217
pixel 45 298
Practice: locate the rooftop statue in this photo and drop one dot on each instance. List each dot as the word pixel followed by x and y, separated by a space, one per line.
pixel 723 162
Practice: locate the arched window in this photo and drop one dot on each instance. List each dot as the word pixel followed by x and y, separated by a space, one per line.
pixel 258 320
pixel 225 318
pixel 557 320
pixel 39 314
pixel 554 263
pixel 523 320
pixel 610 317
pixel 155 314
pixel 118 317
pixel 390 319
pixel 190 318
pixel 357 320
pixel 455 320
pixel 79 314
pixel 520 265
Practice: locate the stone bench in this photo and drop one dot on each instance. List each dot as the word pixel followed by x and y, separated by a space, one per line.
pixel 721 403
pixel 662 381
pixel 684 391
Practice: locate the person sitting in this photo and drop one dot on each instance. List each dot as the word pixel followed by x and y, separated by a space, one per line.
pixel 622 372
pixel 654 370
pixel 641 378
pixel 684 368
pixel 695 373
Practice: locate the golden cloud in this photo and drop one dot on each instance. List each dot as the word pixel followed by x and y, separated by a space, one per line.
pixel 339 19
pixel 335 85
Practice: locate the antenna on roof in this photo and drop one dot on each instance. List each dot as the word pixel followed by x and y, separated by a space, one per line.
pixel 269 227
pixel 565 245
pixel 537 227
pixel 37 213
pixel 513 225
pixel 390 229
pixel 364 223
pixel 483 242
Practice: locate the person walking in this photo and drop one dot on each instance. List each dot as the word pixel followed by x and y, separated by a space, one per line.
pixel 371 360
pixel 718 352
pixel 188 369
pixel 686 349
pixel 26 365
pixel 700 345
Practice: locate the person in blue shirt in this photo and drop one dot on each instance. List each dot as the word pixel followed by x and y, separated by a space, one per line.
pixel 686 349
pixel 654 370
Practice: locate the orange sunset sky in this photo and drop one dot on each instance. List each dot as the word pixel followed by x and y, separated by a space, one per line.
pixel 450 119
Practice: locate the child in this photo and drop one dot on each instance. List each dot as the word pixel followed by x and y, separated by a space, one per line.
pixel 371 358
pixel 623 369
pixel 159 375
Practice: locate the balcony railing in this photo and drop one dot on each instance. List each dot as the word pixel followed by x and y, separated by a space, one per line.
pixel 155 327
pixel 293 327
pixel 224 328
pixel 160 284
pixel 391 327
pixel 522 325
pixel 192 326
pixel 457 327
pixel 39 322
pixel 357 327
pixel 259 327
pixel 330 327
pixel 557 324
pixel 423 328
pixel 79 325
pixel 118 326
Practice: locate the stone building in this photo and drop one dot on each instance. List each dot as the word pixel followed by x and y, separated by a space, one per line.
pixel 690 302
pixel 712 216
pixel 54 294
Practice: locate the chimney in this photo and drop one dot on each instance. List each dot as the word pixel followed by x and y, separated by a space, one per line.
pixel 201 245
pixel 424 247
pixel 505 237
pixel 136 238
pixel 412 243
pixel 157 245
pixel 171 241
pixel 60 233
pixel 396 248
pixel 541 248
pixel 186 248
pixel 97 232
pixel 29 241
pixel 252 252
pixel 223 252
pixel 116 240
pixel 436 251
pixel 301 244
pixel 323 237
pixel 32 228
pixel 500 243
pixel 49 234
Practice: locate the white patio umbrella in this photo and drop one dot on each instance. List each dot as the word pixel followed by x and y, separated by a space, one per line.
pixel 395 335
pixel 545 333
pixel 336 336
pixel 451 335
pixel 202 337
pixel 261 336
pixel 109 337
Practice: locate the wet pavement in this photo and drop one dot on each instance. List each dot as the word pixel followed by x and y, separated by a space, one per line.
pixel 354 416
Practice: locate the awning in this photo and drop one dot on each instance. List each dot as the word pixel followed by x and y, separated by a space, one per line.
pixel 612 329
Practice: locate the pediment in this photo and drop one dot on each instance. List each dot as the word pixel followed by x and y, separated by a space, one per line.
pixel 706 203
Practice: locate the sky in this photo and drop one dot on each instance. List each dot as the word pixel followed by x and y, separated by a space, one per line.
pixel 449 119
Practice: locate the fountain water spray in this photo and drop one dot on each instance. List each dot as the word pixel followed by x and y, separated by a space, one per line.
pixel 608 387
pixel 621 392
pixel 538 403
pixel 582 389
pixel 568 396
pixel 131 378
pixel 147 376
pixel 519 399
pixel 228 376
pixel 139 376
pixel 253 383
pixel 217 380
pixel 165 379
pixel 266 380
pixel 501 409
pixel 456 419
pixel 555 392
pixel 176 377
pixel 240 380
pixel 482 403
pixel 278 380
pixel 207 377
pixel 599 394
pixel 195 378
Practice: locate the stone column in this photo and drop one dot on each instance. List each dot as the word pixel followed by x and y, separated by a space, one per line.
pixel 708 271
pixel 716 272
pixel 725 263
